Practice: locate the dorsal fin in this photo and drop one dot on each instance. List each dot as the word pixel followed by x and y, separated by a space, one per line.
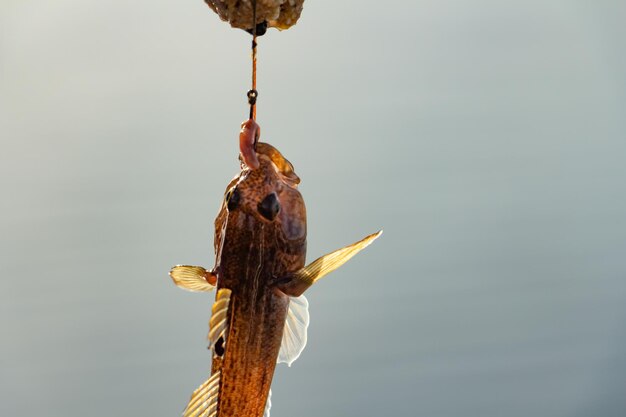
pixel 295 331
pixel 218 324
pixel 203 401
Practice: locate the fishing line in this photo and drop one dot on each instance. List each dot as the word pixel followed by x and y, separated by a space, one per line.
pixel 253 93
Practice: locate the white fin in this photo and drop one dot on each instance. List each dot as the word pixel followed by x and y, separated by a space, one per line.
pixel 203 401
pixel 328 263
pixel 191 278
pixel 294 333
pixel 268 405
pixel 218 324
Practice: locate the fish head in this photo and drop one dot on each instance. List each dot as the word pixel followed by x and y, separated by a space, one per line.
pixel 263 206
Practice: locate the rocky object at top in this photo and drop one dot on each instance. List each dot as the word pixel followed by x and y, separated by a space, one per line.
pixel 280 14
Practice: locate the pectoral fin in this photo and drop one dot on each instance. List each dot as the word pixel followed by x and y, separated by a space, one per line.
pixel 294 333
pixel 193 278
pixel 302 279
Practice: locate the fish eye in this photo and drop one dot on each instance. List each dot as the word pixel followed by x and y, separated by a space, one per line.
pixel 269 207
pixel 232 198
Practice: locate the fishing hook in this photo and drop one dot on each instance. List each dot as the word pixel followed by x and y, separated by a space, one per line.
pixel 250 130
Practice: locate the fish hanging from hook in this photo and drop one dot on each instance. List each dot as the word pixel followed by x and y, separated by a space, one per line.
pixel 260 316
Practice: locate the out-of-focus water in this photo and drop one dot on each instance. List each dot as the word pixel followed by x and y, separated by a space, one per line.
pixel 488 139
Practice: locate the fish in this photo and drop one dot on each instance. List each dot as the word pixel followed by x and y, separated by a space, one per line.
pixel 260 316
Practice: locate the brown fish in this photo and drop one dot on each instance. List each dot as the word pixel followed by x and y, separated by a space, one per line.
pixel 260 316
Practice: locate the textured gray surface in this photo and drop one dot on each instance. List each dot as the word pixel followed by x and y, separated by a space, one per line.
pixel 487 138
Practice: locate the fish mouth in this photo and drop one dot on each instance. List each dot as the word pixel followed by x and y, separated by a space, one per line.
pixel 283 166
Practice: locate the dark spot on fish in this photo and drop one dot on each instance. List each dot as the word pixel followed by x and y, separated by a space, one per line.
pixel 232 198
pixel 269 207
pixel 219 347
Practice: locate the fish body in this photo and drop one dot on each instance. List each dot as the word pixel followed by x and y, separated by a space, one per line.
pixel 261 234
pixel 260 316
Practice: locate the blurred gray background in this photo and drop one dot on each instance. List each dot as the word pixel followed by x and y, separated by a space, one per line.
pixel 487 138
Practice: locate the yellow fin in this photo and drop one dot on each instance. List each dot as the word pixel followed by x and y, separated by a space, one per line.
pixel 218 324
pixel 326 264
pixel 203 401
pixel 192 278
